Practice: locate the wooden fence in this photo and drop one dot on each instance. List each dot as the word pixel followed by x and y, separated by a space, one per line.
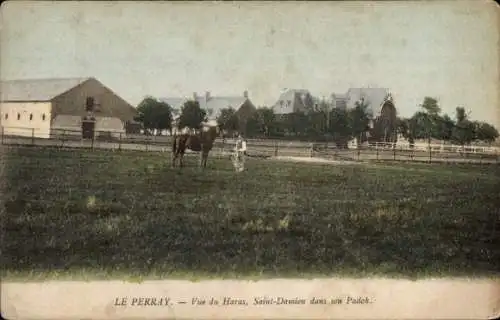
pixel 264 147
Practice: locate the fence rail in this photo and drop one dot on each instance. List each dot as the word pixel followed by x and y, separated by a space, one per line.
pixel 62 138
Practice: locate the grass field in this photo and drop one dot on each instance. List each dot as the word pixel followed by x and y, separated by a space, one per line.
pixel 101 214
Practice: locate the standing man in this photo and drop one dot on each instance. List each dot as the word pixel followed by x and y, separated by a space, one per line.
pixel 239 154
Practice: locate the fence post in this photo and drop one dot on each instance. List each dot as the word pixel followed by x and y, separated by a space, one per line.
pixel 2 134
pixel 359 152
pixel 430 154
pixel 275 148
pixel 376 149
pixel 120 143
pixel 92 141
pixel 394 152
pixel 32 136
pixel 62 139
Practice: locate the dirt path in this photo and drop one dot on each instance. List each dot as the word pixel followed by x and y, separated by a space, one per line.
pixel 316 160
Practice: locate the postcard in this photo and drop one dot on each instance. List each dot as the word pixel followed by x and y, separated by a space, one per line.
pixel 250 160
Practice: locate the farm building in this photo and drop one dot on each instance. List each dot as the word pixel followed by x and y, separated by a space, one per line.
pixel 46 107
pixel 214 104
pixel 294 100
pixel 373 97
pixel 339 101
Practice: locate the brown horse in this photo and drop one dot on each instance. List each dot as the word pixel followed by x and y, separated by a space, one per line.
pixel 201 142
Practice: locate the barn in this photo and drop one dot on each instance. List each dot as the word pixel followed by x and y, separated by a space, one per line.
pixel 45 108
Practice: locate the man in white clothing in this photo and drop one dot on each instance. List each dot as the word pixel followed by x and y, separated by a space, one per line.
pixel 239 154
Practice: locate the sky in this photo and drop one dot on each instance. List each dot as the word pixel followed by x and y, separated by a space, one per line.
pixel 448 50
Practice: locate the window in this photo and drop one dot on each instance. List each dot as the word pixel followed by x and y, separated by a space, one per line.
pixel 31 116
pixel 6 116
pixel 289 103
pixel 18 116
pixel 281 103
pixel 43 117
pixel 89 104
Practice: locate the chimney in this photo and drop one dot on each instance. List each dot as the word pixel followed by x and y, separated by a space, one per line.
pixel 207 96
pixel 195 96
pixel 245 94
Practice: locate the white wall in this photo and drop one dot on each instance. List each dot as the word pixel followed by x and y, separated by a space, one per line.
pixel 110 126
pixel 65 125
pixel 34 118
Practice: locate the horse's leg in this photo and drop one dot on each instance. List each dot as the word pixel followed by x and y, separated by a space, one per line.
pixel 181 160
pixel 242 165
pixel 174 151
pixel 205 157
pixel 174 157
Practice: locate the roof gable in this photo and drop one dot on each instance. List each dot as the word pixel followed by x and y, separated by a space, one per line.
pixel 374 96
pixel 174 102
pixel 292 100
pixel 214 104
pixel 37 89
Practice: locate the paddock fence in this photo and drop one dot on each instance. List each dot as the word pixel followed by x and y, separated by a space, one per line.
pixel 70 138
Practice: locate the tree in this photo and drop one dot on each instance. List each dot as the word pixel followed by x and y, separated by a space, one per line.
pixel 192 115
pixel 427 122
pixel 262 122
pixel 359 121
pixel 316 124
pixel 485 132
pixel 340 128
pixel 406 127
pixel 464 131
pixel 445 127
pixel 422 125
pixel 430 106
pixel 268 120
pixel 460 114
pixel 386 124
pixel 252 126
pixel 228 120
pixel 154 115
pixel 296 123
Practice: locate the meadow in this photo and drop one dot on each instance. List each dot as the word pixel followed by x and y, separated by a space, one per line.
pixel 84 214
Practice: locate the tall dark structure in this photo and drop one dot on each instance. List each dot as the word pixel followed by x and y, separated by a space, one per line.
pixel 88 121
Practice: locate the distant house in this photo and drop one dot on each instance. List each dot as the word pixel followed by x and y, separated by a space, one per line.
pixel 43 107
pixel 214 104
pixel 374 97
pixel 294 100
pixel 339 101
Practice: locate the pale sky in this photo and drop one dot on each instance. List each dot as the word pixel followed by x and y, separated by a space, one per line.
pixel 444 49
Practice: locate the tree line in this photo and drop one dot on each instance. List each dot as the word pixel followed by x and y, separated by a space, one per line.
pixel 322 123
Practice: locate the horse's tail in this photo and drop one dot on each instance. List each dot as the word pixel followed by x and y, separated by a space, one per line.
pixel 174 144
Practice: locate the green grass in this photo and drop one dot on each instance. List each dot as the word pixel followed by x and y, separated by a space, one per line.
pixel 88 215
